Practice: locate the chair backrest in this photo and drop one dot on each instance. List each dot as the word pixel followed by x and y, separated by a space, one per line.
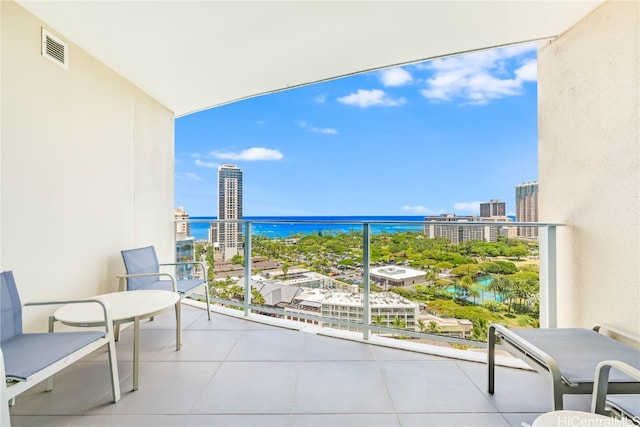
pixel 11 308
pixel 140 260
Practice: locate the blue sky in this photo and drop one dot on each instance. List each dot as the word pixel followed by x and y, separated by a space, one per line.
pixel 425 139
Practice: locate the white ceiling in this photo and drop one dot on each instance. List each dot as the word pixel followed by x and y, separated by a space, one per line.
pixel 192 55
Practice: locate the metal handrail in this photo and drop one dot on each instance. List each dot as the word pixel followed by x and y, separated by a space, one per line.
pixel 547 255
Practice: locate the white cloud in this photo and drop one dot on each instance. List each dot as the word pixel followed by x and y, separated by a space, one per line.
pixel 320 99
pixel 467 206
pixel 256 153
pixel 395 77
pixel 480 77
pixel 193 176
pixel 206 164
pixel 369 98
pixel 418 209
pixel 327 131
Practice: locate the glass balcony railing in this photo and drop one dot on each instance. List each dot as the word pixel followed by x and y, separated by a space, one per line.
pixel 433 282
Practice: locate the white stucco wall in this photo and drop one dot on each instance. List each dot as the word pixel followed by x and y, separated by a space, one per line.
pixel 86 169
pixel 589 139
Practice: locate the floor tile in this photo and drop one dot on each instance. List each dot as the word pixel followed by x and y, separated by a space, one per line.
pixel 249 388
pixel 268 345
pixel 317 348
pixel 341 388
pixel 432 386
pixel 233 372
pixel 516 390
pixel 200 346
pixel 453 420
pixel 341 420
pixel 164 388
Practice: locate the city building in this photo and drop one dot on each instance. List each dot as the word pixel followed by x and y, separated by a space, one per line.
pixel 229 240
pixel 299 277
pixel 387 309
pixel 395 276
pixel 493 208
pixel 527 208
pixel 460 328
pixel 185 252
pixel 462 228
pixel 183 227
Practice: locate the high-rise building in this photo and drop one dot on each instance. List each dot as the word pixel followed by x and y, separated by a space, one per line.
pixel 527 208
pixel 185 252
pixel 493 208
pixel 183 227
pixel 460 229
pixel 229 209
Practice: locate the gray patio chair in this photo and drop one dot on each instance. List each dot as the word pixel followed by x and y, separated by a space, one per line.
pixel 568 355
pixel 28 359
pixel 143 272
pixel 620 405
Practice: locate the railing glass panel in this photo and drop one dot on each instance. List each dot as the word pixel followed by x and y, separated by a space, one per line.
pixel 421 281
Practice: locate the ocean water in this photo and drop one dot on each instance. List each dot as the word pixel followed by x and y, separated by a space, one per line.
pixel 286 226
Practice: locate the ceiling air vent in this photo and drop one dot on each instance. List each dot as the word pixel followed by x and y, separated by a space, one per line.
pixel 55 49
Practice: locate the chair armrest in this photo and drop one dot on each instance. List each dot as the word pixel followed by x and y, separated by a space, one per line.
pixel 601 382
pixel 106 308
pixel 200 263
pixel 602 329
pixel 170 276
pixel 529 350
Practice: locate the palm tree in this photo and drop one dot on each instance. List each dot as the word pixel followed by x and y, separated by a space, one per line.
pixel 479 329
pixel 399 323
pixel 434 328
pixel 474 292
pixel 378 321
pixel 430 277
pixel 465 285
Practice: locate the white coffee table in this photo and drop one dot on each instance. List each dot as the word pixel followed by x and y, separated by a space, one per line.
pixel 128 306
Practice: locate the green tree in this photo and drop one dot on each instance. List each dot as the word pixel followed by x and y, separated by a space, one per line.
pixel 399 323
pixel 434 328
pixel 378 321
pixel 479 329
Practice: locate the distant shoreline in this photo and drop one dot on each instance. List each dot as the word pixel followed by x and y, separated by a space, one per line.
pixel 200 225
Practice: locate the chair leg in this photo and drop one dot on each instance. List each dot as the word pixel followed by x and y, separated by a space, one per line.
pixel 113 368
pixel 5 418
pixel 178 326
pixel 206 293
pixel 491 358
pixel 558 404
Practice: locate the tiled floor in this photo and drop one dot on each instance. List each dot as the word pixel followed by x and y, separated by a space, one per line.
pixel 234 372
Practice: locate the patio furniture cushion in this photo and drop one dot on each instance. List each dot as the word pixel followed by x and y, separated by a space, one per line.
pixel 578 351
pixel 569 356
pixel 26 354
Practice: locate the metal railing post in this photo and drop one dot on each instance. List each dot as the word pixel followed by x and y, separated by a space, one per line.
pixel 247 268
pixel 548 277
pixel 366 308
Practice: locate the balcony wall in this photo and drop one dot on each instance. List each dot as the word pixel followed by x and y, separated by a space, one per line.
pixel 86 168
pixel 588 83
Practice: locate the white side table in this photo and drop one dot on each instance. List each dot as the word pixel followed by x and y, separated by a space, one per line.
pixel 128 306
